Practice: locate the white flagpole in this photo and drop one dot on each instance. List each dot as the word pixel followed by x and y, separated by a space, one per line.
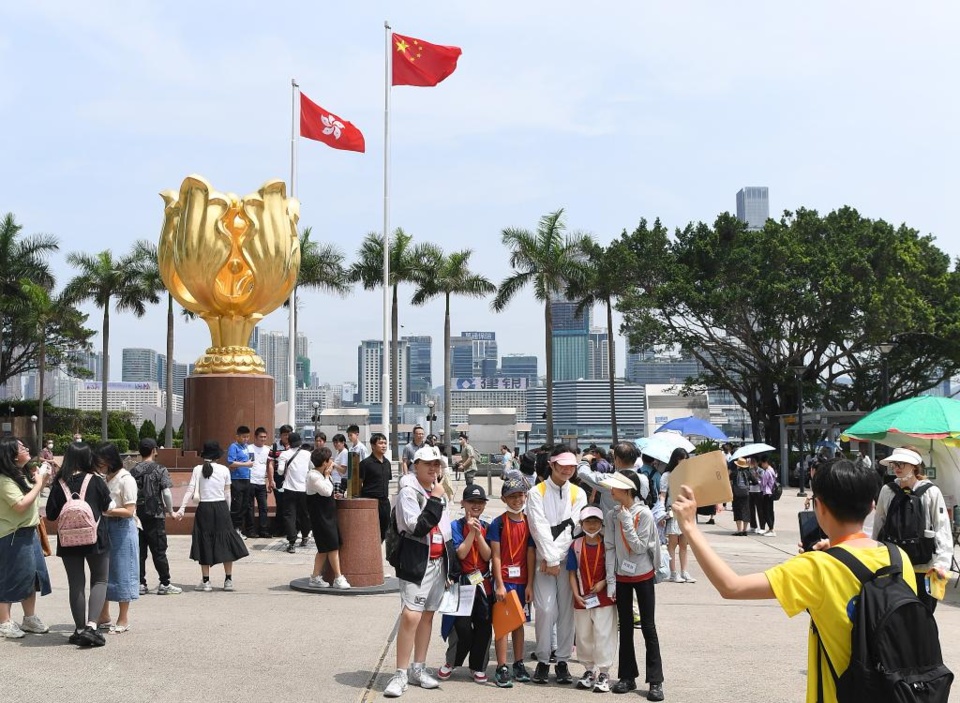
pixel 385 362
pixel 292 350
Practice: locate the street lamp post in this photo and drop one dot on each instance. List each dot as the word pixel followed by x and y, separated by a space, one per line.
pixel 316 420
pixel 798 370
pixel 33 435
pixel 430 416
pixel 885 350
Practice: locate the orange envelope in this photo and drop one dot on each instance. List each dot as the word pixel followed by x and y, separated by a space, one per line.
pixel 706 475
pixel 507 615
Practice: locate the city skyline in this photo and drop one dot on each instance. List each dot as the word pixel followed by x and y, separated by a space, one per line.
pixel 658 117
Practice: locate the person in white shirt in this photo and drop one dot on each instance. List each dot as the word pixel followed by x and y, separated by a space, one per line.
pixel 323 519
pixel 260 483
pixel 553 509
pixel 293 465
pixel 340 460
pixel 356 446
pixel 215 541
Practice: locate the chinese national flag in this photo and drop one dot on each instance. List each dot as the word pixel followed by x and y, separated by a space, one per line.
pixel 324 126
pixel 416 62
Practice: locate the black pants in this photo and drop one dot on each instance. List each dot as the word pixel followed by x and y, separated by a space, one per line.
pixel 241 506
pixel 258 499
pixel 473 634
pixel 294 513
pixel 153 535
pixel 766 511
pixel 925 597
pixel 384 509
pixel 754 508
pixel 85 611
pixel 647 602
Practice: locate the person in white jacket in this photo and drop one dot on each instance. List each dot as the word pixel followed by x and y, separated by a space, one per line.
pixel 553 509
pixel 908 468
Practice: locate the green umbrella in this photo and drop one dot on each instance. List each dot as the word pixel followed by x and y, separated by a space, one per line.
pixel 924 418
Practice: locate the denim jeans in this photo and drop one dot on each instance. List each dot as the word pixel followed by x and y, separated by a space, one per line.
pixel 258 504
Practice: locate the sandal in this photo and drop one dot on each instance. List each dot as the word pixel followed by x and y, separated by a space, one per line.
pixel 105 626
pixel 120 629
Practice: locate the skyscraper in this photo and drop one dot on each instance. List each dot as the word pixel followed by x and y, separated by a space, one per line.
pixel 421 376
pixel 369 360
pixel 520 366
pixel 661 367
pixel 753 206
pixel 180 372
pixel 484 348
pixel 461 357
pixel 598 365
pixel 571 338
pixel 139 365
pixel 274 348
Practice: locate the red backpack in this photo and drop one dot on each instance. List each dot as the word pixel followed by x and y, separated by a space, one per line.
pixel 76 526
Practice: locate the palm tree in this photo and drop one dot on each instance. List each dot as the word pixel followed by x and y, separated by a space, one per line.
pixel 106 280
pixel 148 271
pixel 450 275
pixel 21 260
pixel 549 261
pixel 406 266
pixel 607 276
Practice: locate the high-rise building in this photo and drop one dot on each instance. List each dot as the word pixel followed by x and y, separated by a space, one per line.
pixel 661 366
pixel 519 366
pixel 369 364
pixel 484 350
pixel 598 363
pixel 571 341
pixel 92 362
pixel 180 372
pixel 461 357
pixel 753 206
pixel 274 348
pixel 581 411
pixel 421 376
pixel 139 365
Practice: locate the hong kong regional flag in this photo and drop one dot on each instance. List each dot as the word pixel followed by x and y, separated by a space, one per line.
pixel 324 126
pixel 416 62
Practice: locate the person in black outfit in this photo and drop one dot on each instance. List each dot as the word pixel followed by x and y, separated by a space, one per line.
pixel 78 465
pixel 375 476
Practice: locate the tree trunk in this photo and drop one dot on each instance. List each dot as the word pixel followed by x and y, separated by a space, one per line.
pixel 394 380
pixel 611 358
pixel 548 326
pixel 168 417
pixel 447 394
pixel 105 371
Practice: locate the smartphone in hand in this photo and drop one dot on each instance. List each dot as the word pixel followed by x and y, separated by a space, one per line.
pixel 810 532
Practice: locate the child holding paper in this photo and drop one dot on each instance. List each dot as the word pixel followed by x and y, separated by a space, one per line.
pixel 594 613
pixel 514 560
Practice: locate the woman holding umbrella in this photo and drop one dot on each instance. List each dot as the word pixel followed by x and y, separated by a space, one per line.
pixel 935 548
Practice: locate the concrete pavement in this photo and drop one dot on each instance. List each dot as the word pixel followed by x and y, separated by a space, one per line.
pixel 267 642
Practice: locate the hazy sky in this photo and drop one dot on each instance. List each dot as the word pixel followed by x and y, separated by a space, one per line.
pixel 611 110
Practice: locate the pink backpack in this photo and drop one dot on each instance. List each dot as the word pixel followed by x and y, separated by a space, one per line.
pixel 76 526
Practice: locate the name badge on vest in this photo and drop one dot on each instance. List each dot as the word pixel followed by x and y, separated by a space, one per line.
pixel 475 578
pixel 591 601
pixel 437 538
pixel 513 572
pixel 628 567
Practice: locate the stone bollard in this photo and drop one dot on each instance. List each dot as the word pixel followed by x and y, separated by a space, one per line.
pixel 361 558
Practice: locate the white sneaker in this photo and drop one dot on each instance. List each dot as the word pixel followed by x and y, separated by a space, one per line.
pixel 421 676
pixel 676 578
pixel 318 582
pixel 771 533
pixel 688 578
pixel 204 586
pixel 397 685
pixel 341 582
pixel 32 623
pixel 169 590
pixel 10 630
pixel 144 589
pixel 228 583
pixel 761 532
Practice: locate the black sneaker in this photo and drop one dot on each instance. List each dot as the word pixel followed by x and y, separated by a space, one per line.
pixel 75 637
pixel 502 677
pixel 656 692
pixel 562 672
pixel 303 542
pixel 624 686
pixel 89 637
pixel 292 548
pixel 520 673
pixel 541 673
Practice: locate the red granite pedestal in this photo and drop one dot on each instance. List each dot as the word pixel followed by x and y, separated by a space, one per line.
pixel 214 405
pixel 361 559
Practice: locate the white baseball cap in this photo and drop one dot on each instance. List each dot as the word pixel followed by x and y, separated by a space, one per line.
pixel 427 453
pixel 591 511
pixel 904 456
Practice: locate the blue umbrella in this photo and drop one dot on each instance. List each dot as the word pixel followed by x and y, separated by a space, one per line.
pixel 692 425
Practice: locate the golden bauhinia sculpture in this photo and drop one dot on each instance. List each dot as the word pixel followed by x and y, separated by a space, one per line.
pixel 231 261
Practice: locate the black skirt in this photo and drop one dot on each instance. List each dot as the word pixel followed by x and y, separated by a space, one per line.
pixel 215 541
pixel 323 520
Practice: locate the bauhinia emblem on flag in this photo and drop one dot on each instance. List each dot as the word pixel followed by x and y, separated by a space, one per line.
pixel 416 62
pixel 323 126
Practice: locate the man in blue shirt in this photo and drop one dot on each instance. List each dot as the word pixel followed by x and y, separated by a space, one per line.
pixel 239 462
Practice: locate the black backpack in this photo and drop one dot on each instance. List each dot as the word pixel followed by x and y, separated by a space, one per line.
pixel 895 645
pixel 906 522
pixel 147 476
pixel 393 537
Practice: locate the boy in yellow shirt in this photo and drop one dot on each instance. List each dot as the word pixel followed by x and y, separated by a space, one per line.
pixel 812 581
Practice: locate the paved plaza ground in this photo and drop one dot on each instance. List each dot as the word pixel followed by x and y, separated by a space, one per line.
pixel 265 642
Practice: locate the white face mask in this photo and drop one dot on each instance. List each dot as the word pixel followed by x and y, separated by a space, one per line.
pixel 591 534
pixel 515 512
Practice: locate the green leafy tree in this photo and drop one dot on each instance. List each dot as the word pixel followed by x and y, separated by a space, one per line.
pixel 115 427
pixel 148 430
pixel 406 266
pixel 607 275
pixel 108 282
pixel 808 292
pixel 130 433
pixel 450 275
pixel 549 261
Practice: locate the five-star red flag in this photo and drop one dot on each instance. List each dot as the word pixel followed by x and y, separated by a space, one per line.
pixel 324 126
pixel 416 62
